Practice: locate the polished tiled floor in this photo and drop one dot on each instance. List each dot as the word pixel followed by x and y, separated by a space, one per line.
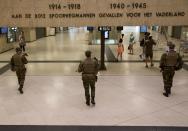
pixel 121 100
pixel 126 94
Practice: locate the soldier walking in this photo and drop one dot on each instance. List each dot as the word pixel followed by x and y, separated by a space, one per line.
pixel 169 63
pixel 17 63
pixel 89 68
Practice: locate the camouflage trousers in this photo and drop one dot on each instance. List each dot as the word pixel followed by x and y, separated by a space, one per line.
pixel 168 74
pixel 20 72
pixel 87 86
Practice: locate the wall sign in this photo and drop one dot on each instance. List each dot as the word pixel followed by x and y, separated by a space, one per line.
pixel 104 28
pixel 32 13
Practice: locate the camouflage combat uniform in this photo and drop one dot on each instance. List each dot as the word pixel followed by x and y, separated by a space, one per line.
pixel 18 62
pixel 168 64
pixel 89 68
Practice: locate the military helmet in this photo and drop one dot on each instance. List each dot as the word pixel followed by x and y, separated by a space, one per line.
pixel 88 53
pixel 147 34
pixel 171 45
pixel 18 49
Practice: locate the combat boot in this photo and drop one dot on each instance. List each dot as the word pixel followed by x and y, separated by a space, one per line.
pixel 93 100
pixel 166 91
pixel 20 89
pixel 165 94
pixel 88 101
pixel 169 90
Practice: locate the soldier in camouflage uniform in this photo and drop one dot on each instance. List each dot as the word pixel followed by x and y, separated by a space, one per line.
pixel 17 63
pixel 169 63
pixel 89 68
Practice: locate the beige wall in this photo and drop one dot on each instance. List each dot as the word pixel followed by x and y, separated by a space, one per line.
pixel 30 34
pixel 50 31
pixel 170 31
pixel 4 46
pixel 41 13
pixel 184 35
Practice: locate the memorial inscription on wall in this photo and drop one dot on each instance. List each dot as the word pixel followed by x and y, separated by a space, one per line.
pixel 33 13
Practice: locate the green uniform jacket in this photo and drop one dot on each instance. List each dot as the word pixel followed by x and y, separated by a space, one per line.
pixel 89 68
pixel 18 62
pixel 172 60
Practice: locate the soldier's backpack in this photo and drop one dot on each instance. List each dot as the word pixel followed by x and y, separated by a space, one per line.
pixel 171 60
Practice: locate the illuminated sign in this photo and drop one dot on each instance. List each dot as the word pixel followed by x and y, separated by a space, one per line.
pixel 104 28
